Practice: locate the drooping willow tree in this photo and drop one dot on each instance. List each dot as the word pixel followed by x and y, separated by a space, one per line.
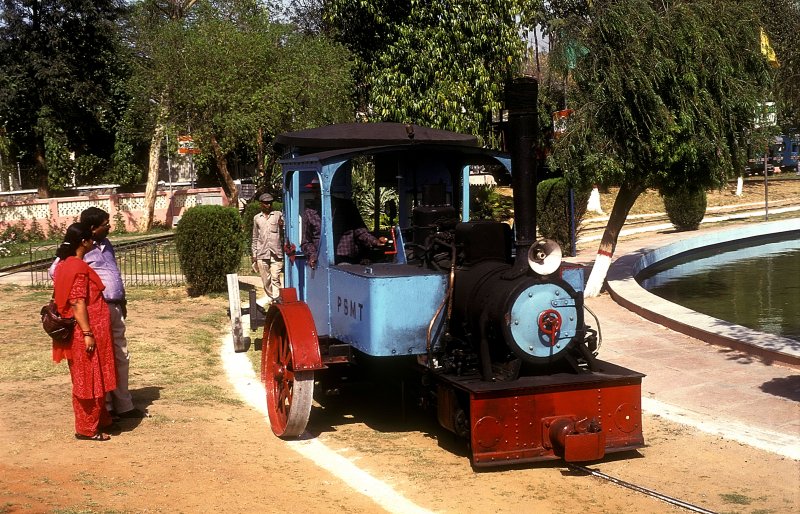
pixel 664 94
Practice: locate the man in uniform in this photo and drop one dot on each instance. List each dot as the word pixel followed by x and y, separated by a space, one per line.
pixel 267 246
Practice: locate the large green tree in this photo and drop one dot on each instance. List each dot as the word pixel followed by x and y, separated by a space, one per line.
pixel 664 94
pixel 60 74
pixel 441 64
pixel 246 79
pixel 155 27
pixel 236 78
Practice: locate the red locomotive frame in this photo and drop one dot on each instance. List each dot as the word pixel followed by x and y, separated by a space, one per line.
pixel 563 416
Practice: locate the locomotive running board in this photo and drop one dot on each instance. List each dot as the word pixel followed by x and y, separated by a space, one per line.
pixel 562 416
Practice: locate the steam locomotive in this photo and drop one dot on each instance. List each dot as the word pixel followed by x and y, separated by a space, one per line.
pixel 489 319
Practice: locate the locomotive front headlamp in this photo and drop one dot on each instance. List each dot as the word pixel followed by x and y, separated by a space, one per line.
pixel 544 256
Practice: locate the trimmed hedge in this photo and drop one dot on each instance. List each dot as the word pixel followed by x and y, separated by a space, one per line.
pixel 250 211
pixel 685 209
pixel 552 211
pixel 210 244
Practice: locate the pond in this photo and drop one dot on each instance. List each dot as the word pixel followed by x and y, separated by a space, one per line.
pixel 753 284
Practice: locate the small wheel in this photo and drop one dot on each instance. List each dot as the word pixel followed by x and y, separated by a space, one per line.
pixel 289 392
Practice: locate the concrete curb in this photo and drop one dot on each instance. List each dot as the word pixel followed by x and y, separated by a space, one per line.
pixel 627 292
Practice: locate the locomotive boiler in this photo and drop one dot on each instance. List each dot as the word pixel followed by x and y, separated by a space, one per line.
pixel 488 318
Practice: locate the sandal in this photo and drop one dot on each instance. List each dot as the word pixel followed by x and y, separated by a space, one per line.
pixel 100 436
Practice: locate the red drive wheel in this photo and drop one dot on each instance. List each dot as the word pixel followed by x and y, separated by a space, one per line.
pixel 289 389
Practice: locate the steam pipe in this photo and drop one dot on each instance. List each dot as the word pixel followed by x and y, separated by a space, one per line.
pixel 521 131
pixel 448 299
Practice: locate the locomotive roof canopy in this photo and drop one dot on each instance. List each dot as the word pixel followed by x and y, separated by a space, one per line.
pixel 454 155
pixel 359 135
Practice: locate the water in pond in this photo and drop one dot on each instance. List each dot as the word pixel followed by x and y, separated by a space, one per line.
pixel 754 286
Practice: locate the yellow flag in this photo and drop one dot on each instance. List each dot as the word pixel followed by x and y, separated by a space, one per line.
pixel 767 50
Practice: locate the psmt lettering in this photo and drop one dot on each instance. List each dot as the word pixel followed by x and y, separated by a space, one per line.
pixel 349 308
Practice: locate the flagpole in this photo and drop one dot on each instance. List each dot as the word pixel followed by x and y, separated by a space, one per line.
pixel 766 195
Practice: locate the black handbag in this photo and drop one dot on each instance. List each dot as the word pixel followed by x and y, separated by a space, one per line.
pixel 60 329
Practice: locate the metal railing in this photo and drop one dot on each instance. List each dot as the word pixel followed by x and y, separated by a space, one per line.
pixel 151 262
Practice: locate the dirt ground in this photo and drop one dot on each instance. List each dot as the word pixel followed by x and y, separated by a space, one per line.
pixel 781 190
pixel 204 450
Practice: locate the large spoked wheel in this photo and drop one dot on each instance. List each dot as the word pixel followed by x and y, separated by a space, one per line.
pixel 289 392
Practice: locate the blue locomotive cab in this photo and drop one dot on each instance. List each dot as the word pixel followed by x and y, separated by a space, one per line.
pixel 383 300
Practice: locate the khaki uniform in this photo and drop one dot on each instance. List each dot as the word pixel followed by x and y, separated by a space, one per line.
pixel 267 249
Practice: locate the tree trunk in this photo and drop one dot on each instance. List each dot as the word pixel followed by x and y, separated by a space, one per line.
pixel 152 176
pixel 626 197
pixel 260 152
pixel 40 167
pixel 222 167
pixel 176 9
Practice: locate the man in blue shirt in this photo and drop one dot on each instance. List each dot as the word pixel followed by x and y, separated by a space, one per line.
pixel 103 260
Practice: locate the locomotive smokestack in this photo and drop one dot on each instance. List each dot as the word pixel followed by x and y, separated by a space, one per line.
pixel 521 131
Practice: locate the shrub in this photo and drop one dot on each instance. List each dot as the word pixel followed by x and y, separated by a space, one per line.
pixel 19 233
pixel 250 211
pixel 35 232
pixel 552 211
pixel 55 231
pixel 13 241
pixel 16 233
pixel 210 245
pixel 487 203
pixel 119 223
pixel 685 208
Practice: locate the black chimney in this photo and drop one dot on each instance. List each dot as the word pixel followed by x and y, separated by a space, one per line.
pixel 520 135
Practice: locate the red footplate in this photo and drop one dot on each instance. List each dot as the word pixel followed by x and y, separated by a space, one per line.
pixel 563 416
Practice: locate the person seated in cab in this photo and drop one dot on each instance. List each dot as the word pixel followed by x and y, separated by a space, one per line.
pixel 312 225
pixel 351 237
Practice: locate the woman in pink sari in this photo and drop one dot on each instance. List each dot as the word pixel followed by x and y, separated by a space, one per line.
pixel 90 355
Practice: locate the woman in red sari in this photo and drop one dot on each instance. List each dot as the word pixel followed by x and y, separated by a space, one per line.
pixel 90 354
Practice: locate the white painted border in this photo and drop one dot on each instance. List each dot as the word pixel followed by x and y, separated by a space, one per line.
pixel 773 442
pixel 250 389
